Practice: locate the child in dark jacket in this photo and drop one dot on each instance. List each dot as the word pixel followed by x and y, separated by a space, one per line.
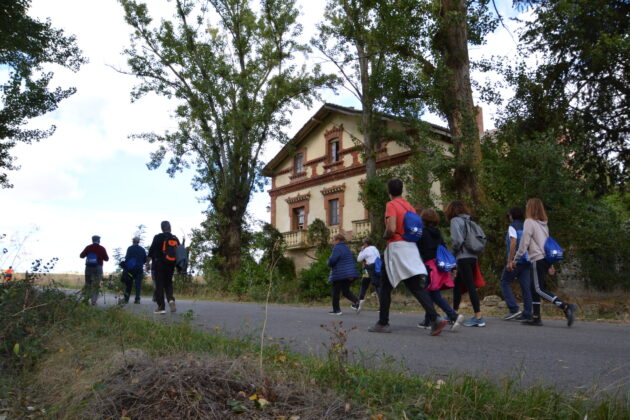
pixel 428 245
pixel 343 271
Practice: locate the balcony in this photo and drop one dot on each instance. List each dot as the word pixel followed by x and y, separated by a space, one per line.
pixel 298 239
pixel 361 229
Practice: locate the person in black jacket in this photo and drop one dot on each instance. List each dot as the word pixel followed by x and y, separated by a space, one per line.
pixel 164 265
pixel 343 271
pixel 428 245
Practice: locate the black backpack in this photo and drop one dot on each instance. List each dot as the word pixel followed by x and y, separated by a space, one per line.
pixel 169 249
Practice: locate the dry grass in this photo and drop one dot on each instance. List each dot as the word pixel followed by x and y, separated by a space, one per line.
pixel 94 381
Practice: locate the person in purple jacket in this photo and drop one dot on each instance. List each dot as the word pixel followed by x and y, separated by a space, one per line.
pixel 343 271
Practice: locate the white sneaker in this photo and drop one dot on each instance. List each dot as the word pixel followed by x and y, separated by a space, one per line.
pixel 458 322
pixel 171 304
pixel 159 311
pixel 360 305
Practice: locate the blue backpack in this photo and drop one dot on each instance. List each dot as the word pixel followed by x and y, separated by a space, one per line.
pixel 444 260
pixel 91 259
pixel 412 224
pixel 378 266
pixel 553 251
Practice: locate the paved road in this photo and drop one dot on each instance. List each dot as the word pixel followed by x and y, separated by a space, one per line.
pixel 587 356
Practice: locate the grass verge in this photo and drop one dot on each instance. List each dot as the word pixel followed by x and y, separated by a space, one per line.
pixel 107 363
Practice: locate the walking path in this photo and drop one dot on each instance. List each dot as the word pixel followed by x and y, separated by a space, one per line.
pixel 588 356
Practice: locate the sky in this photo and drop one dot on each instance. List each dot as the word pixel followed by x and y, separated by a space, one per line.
pixel 89 178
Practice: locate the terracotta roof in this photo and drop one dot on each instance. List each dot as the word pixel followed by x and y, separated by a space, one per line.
pixel 317 119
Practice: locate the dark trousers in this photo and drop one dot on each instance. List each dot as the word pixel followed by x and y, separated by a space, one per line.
pixel 366 281
pixel 466 276
pixel 520 272
pixel 163 283
pixel 342 287
pixel 133 278
pixel 415 285
pixel 538 273
pixel 438 299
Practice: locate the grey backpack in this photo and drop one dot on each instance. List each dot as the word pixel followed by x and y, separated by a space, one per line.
pixel 475 240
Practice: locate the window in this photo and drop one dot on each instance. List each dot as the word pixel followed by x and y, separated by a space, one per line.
pixel 333 150
pixel 298 218
pixel 333 210
pixel 299 163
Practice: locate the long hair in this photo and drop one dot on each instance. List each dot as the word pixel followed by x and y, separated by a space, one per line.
pixel 535 210
pixel 455 208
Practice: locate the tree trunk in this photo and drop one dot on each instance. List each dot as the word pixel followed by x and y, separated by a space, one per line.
pixel 458 101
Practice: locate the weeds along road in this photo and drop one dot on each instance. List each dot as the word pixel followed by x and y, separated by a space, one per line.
pixel 589 356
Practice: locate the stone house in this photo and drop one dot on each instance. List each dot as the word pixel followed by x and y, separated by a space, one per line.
pixel 318 174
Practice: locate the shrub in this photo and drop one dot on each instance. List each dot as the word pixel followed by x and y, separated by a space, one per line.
pixel 314 279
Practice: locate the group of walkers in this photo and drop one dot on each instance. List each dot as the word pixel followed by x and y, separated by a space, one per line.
pixel 412 261
pixel 160 261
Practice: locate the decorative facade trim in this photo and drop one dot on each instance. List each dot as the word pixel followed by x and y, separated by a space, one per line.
pixel 334 189
pixel 298 198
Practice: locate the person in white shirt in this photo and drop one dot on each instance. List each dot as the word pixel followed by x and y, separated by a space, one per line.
pixel 368 255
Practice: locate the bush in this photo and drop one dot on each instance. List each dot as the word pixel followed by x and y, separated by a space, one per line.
pixel 314 279
pixel 27 314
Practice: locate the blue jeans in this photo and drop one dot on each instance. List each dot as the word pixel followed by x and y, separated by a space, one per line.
pixel 521 271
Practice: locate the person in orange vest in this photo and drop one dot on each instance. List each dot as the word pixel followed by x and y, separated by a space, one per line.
pixel 8 275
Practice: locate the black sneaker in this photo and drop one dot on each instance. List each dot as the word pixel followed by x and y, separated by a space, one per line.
pixel 335 313
pixel 136 301
pixel 512 315
pixel 159 311
pixel 522 318
pixel 356 307
pixel 425 325
pixel 535 322
pixel 378 328
pixel 569 312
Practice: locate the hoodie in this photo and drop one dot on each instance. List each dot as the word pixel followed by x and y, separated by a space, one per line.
pixel 429 241
pixel 535 233
pixel 458 235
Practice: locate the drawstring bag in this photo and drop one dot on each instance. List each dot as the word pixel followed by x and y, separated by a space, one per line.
pixel 553 251
pixel 445 261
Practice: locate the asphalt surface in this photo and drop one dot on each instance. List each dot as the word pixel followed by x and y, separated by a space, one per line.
pixel 590 356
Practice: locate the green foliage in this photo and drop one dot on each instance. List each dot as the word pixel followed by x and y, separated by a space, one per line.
pixel 26 45
pixel 580 86
pixel 27 314
pixel 314 279
pixel 589 230
pixel 318 235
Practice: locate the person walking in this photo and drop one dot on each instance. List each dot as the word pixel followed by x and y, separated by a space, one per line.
pixel 402 263
pixel 94 255
pixel 343 271
pixel 521 271
pixel 8 274
pixel 368 256
pixel 162 256
pixel 428 245
pixel 535 234
pixel 135 258
pixel 459 215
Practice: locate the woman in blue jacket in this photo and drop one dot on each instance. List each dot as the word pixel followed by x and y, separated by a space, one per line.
pixel 343 271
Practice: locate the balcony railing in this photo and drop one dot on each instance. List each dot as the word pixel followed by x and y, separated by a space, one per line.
pixel 297 239
pixel 361 229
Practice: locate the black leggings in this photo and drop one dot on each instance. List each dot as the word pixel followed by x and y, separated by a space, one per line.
pixel 366 281
pixel 538 274
pixel 415 285
pixel 342 287
pixel 466 276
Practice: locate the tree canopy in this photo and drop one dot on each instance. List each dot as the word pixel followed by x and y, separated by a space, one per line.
pixel 26 46
pixel 230 66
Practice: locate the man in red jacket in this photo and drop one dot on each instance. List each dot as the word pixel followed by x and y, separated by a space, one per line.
pixel 94 256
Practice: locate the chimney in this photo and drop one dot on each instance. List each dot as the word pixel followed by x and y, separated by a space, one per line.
pixel 479 119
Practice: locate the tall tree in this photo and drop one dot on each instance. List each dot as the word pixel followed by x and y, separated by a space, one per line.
pixel 434 52
pixel 356 37
pixel 229 63
pixel 581 88
pixel 26 46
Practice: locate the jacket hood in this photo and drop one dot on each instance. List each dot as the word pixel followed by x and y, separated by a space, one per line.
pixel 541 223
pixel 433 232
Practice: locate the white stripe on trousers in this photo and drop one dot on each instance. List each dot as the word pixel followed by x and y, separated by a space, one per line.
pixel 540 291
